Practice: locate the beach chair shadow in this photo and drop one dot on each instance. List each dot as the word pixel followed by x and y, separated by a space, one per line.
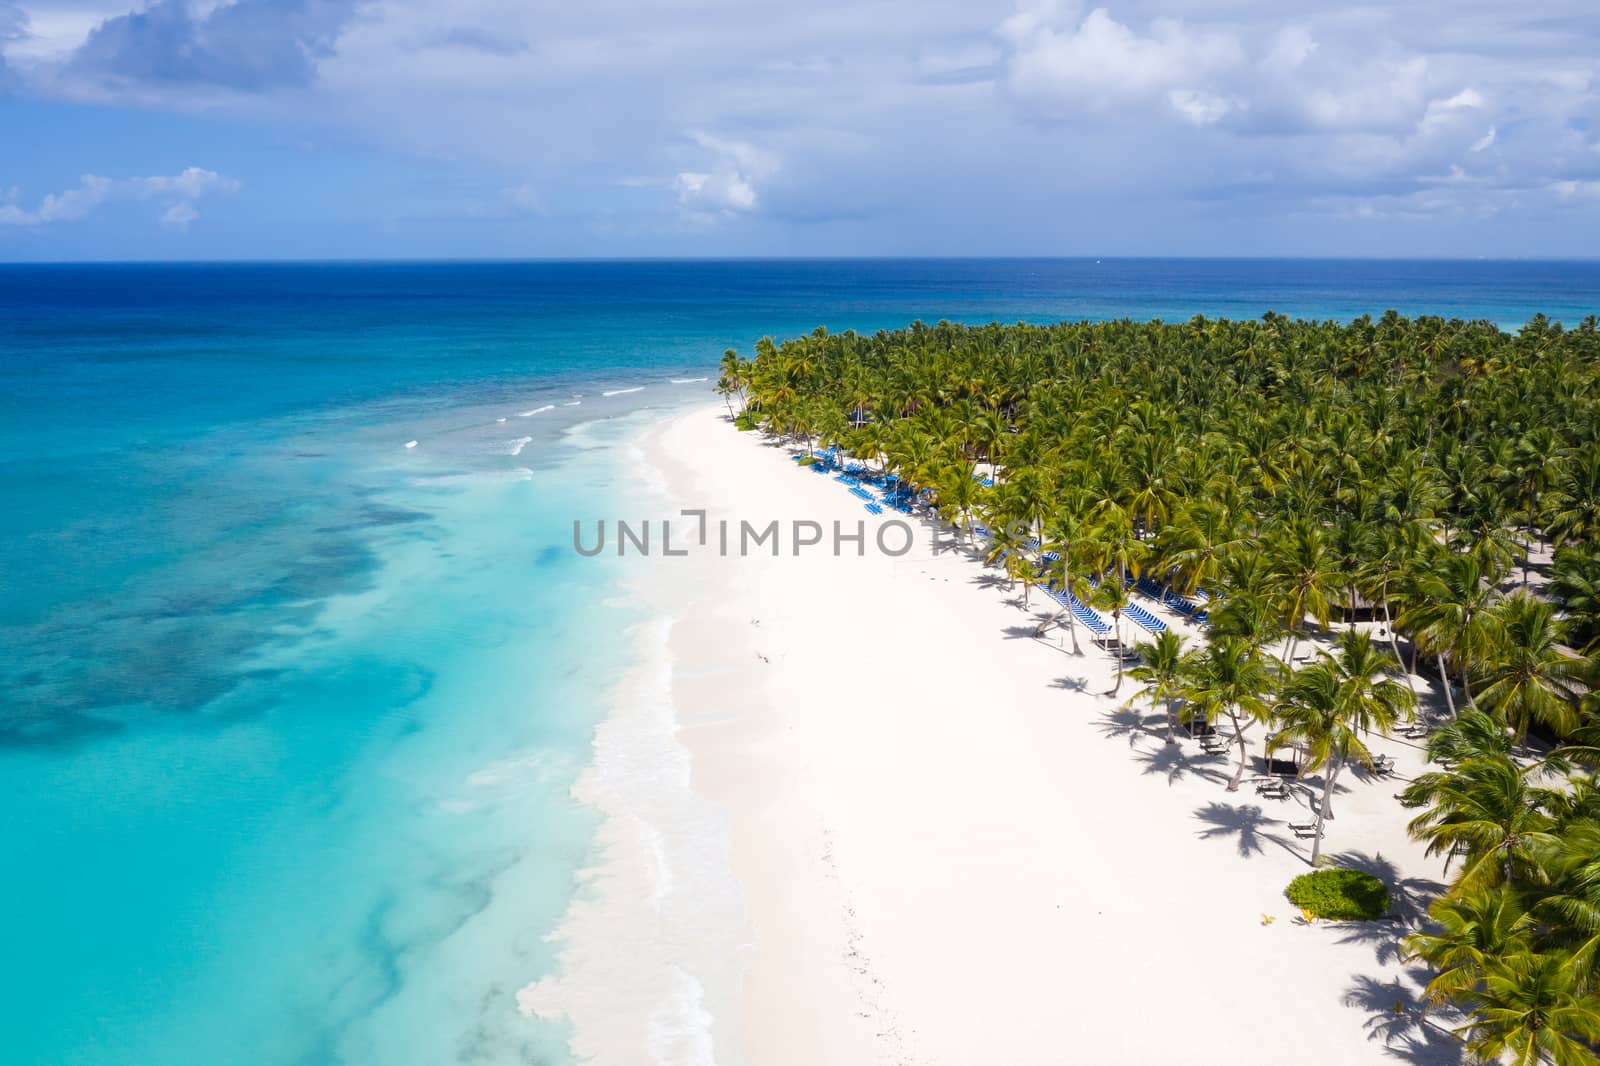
pixel 1396 1019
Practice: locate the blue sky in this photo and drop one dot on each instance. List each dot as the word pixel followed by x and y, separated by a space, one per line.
pixel 153 129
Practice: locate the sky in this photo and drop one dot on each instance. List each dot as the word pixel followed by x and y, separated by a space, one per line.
pixel 216 129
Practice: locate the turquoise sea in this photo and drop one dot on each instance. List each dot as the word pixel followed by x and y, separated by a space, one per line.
pixel 290 711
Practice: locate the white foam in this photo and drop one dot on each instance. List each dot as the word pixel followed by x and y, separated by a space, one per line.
pixel 574 403
pixel 500 420
pixel 537 411
pixel 519 444
pixel 688 381
pixel 411 444
pixel 680 1026
pixel 619 392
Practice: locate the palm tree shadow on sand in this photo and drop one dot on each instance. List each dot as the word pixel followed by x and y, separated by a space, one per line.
pixel 1249 824
pixel 1174 763
pixel 1408 905
pixel 1122 722
pixel 1071 684
pixel 1396 1018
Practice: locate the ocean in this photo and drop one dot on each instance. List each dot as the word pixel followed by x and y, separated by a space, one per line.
pixel 297 665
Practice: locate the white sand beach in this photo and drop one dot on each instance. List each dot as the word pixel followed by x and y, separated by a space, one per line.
pixel 948 845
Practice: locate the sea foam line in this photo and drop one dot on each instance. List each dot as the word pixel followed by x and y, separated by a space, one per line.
pixel 619 392
pixel 519 444
pixel 537 411
pixel 411 444
pixel 574 403
pixel 688 381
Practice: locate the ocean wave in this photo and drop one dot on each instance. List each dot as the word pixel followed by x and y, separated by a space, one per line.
pixel 537 411
pixel 619 392
pixel 519 444
pixel 688 381
pixel 574 403
pixel 501 419
pixel 411 444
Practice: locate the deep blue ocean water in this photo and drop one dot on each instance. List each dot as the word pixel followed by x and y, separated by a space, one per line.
pixel 289 712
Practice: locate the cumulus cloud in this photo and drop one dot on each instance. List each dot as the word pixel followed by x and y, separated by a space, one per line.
pixel 1061 65
pixel 244 45
pixel 178 192
pixel 729 186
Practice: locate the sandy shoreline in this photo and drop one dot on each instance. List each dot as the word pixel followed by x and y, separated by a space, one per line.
pixel 946 843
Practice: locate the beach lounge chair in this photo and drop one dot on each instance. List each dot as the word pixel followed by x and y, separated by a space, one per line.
pixel 1383 765
pixel 1304 830
pixel 874 508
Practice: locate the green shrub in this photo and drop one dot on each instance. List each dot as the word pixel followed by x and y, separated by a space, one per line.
pixel 807 460
pixel 1341 894
pixel 744 420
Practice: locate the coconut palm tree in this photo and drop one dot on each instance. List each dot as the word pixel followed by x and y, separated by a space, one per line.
pixel 1159 670
pixel 1331 705
pixel 1532 1008
pixel 1529 676
pixel 1228 679
pixel 1471 929
pixel 1112 595
pixel 1489 809
pixel 1448 610
pixel 1306 571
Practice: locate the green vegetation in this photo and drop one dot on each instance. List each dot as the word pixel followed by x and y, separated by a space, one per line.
pixel 1410 472
pixel 1341 894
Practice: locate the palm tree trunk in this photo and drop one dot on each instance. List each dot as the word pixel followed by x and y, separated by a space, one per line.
pixel 1238 734
pixel 1072 620
pixel 1394 640
pixel 1172 722
pixel 1116 617
pixel 1444 679
pixel 1325 808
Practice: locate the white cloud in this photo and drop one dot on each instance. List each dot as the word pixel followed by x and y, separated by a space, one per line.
pixel 1200 108
pixel 1576 190
pixel 1060 66
pixel 179 215
pixel 729 186
pixel 179 192
pixel 1483 143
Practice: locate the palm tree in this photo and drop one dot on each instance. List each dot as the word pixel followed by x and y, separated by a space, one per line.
pixel 1532 1008
pixel 1160 663
pixel 1448 610
pixel 1112 595
pixel 1529 675
pixel 1228 678
pixel 1307 572
pixel 1471 930
pixel 1489 809
pixel 1331 705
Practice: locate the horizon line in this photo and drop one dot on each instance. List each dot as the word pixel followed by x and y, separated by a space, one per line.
pixel 580 260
